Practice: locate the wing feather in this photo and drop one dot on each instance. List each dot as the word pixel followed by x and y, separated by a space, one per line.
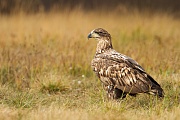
pixel 120 72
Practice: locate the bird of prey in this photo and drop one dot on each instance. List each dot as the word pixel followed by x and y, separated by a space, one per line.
pixel 120 74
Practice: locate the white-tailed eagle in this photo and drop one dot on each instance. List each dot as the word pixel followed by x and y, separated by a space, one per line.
pixel 120 74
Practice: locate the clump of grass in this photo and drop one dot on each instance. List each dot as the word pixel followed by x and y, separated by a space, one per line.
pixel 54 88
pixel 17 99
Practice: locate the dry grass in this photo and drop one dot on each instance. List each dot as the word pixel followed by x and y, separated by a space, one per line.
pixel 45 65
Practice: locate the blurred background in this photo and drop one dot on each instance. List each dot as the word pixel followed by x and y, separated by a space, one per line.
pixel 59 28
pixel 34 6
pixel 47 35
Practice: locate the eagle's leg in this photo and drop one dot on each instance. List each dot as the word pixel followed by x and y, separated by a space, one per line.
pixel 114 93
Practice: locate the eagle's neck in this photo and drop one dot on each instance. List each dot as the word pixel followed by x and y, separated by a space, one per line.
pixel 103 46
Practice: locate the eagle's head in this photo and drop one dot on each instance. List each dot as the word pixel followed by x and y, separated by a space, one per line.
pixel 99 34
pixel 104 39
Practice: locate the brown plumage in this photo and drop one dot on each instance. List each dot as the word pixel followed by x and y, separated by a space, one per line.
pixel 120 74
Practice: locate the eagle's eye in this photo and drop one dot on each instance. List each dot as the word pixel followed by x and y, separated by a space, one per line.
pixel 101 33
pixel 97 32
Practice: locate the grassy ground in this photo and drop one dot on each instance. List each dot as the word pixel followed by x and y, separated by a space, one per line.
pixel 45 68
